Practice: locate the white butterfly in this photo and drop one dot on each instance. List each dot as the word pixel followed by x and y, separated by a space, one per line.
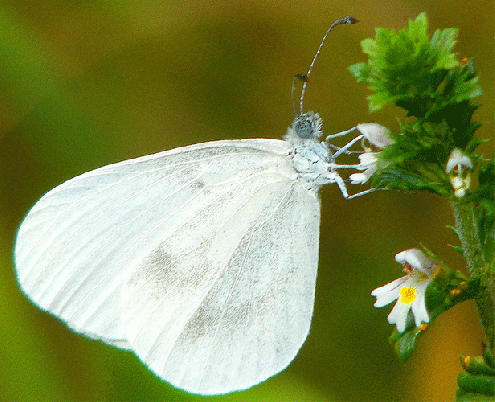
pixel 202 259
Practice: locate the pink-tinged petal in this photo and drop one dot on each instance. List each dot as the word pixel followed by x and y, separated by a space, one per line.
pixel 376 134
pixel 458 158
pixel 416 259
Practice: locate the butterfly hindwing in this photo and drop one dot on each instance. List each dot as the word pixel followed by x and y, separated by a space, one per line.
pixel 229 311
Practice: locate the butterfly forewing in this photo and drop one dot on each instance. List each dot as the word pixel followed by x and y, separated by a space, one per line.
pixel 202 259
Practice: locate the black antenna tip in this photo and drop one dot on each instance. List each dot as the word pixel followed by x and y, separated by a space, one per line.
pixel 346 20
pixel 302 77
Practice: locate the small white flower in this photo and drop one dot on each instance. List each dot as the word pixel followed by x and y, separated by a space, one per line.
pixel 378 137
pixel 376 134
pixel 409 290
pixel 459 168
pixel 367 162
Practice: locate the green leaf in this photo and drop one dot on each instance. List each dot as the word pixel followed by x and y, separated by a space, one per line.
pixel 403 179
pixel 405 67
pixel 476 365
pixel 405 344
pixel 458 249
pixel 479 384
pixel 461 396
pixel 488 355
pixel 360 71
pixel 474 143
pixel 442 42
pixel 423 77
pixel 486 186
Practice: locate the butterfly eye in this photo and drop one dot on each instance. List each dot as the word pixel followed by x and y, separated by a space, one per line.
pixel 306 126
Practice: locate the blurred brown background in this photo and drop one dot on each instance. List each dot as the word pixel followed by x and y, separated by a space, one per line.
pixel 87 83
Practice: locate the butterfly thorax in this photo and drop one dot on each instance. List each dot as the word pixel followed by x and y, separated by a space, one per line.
pixel 310 157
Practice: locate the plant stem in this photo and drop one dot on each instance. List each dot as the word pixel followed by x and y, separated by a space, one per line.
pixel 466 229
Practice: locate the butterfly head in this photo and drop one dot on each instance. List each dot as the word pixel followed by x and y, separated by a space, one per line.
pixel 307 125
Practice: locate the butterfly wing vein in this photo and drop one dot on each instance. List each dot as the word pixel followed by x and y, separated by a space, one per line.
pixel 201 259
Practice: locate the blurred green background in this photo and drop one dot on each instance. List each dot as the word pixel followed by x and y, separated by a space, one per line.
pixel 87 83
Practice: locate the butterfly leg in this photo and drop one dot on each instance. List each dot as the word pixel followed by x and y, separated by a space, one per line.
pixel 335 177
pixel 341 134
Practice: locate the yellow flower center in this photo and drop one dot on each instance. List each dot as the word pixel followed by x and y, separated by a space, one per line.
pixel 407 295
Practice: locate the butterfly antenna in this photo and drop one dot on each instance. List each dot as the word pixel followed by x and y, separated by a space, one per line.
pixel 305 77
pixel 297 77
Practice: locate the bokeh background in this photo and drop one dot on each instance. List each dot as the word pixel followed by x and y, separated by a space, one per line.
pixel 87 83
